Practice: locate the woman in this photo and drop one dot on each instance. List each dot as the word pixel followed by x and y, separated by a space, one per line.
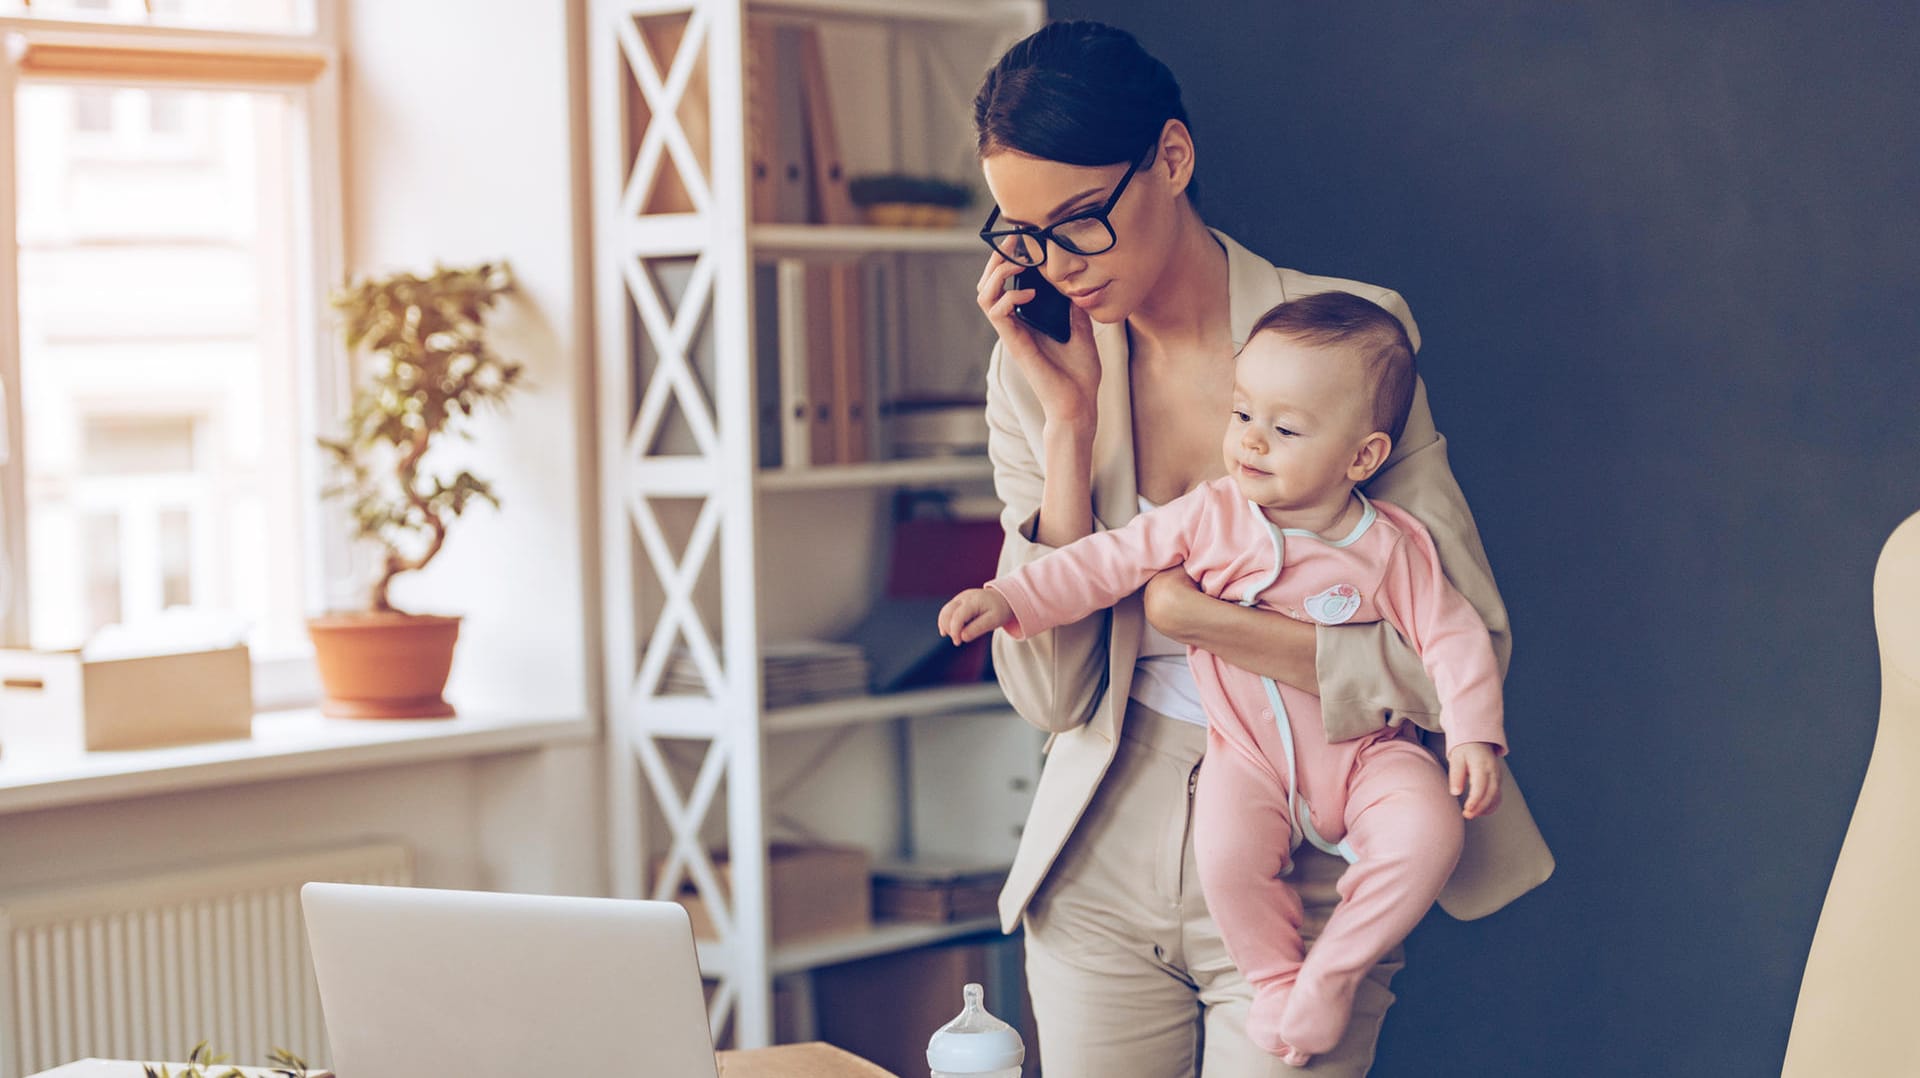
pixel 1085 146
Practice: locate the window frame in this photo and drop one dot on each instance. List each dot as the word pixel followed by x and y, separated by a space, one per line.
pixel 305 65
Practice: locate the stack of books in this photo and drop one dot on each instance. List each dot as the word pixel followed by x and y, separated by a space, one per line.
pixel 797 672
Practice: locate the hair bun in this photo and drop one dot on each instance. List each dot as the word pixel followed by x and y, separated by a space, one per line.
pixel 1078 92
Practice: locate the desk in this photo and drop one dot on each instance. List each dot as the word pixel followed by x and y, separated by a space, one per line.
pixel 813 1060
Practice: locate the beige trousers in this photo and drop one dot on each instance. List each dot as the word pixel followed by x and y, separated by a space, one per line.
pixel 1128 974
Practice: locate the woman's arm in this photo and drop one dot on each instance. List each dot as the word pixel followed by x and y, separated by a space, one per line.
pixel 1368 673
pixel 1053 679
pixel 1066 499
pixel 1266 643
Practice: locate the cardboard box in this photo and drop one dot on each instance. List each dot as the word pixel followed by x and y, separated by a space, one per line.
pixel 56 702
pixel 936 890
pixel 813 891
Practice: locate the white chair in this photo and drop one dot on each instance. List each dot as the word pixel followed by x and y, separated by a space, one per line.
pixel 1860 998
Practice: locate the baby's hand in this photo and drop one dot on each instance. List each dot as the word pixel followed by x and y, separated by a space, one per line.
pixel 1474 769
pixel 973 614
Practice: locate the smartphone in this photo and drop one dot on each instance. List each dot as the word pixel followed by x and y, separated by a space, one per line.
pixel 1048 311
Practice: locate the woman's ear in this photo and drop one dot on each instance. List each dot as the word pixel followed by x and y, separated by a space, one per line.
pixel 1174 158
pixel 1373 452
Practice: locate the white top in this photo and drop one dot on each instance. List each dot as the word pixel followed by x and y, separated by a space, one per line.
pixel 1162 680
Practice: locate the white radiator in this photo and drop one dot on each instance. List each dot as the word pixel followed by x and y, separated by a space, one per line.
pixel 146 968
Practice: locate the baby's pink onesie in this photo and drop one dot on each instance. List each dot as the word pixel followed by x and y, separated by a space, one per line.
pixel 1378 800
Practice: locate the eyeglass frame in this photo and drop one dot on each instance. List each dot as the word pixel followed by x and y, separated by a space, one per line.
pixel 1045 236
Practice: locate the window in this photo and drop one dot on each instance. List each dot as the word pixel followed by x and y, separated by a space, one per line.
pixel 278 16
pixel 142 126
pixel 168 260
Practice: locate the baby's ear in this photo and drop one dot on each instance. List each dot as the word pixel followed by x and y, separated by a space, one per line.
pixel 1372 454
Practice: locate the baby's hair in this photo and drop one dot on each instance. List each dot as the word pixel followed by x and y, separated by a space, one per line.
pixel 1376 336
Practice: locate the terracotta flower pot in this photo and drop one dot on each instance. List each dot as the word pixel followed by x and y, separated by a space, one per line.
pixel 384 666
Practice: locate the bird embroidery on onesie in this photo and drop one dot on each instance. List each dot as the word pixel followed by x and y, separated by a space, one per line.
pixel 1334 606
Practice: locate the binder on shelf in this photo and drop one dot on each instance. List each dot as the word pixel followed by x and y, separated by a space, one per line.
pixel 792 199
pixel 763 105
pixel 831 204
pixel 821 351
pixel 770 430
pixel 796 407
pixel 851 424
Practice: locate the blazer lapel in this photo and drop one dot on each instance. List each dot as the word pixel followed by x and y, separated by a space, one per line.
pixel 1115 496
pixel 1253 287
pixel 1116 500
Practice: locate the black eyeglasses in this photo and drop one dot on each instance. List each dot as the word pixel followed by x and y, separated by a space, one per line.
pixel 1088 233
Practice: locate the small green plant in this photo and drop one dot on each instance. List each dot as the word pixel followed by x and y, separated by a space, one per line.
pixel 202 1058
pixel 918 190
pixel 431 369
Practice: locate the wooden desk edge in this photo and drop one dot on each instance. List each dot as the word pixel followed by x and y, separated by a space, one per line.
pixel 814 1059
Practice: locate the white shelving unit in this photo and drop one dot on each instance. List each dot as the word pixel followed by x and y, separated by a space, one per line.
pixel 902 705
pixel 773 241
pixel 853 946
pixel 888 473
pixel 676 305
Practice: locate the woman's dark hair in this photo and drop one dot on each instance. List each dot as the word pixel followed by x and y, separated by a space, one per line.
pixel 1081 93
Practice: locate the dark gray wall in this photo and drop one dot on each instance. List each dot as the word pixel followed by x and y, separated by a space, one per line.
pixel 1664 259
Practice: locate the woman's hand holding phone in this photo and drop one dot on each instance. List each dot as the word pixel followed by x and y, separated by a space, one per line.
pixel 1065 377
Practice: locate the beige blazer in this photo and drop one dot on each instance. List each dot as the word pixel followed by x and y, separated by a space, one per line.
pixel 1073 681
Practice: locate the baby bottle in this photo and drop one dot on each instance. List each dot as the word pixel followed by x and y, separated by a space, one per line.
pixel 976 1044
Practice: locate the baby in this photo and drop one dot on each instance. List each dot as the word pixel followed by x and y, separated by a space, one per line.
pixel 1321 390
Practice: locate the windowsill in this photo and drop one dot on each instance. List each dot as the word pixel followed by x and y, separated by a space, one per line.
pixel 285 744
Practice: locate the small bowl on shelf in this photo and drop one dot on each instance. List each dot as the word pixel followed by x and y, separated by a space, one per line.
pixel 901 201
pixel 911 215
pixel 919 427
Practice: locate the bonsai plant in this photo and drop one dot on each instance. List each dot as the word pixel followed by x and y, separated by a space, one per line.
pixel 202 1060
pixel 430 370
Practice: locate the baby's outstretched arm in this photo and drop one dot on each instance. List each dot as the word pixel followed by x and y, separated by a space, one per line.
pixel 973 614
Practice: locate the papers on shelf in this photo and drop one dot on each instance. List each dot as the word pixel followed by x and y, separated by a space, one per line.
pixel 793 672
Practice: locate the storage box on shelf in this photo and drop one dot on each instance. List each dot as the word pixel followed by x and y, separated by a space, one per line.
pixel 815 891
pixel 61 703
pixel 936 891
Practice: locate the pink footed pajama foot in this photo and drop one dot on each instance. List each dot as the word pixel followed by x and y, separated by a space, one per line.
pixel 1317 1012
pixel 1263 1024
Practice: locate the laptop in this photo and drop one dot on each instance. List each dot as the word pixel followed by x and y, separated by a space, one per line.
pixel 416 982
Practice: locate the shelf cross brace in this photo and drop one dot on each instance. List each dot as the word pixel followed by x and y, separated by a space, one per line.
pixel 665 133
